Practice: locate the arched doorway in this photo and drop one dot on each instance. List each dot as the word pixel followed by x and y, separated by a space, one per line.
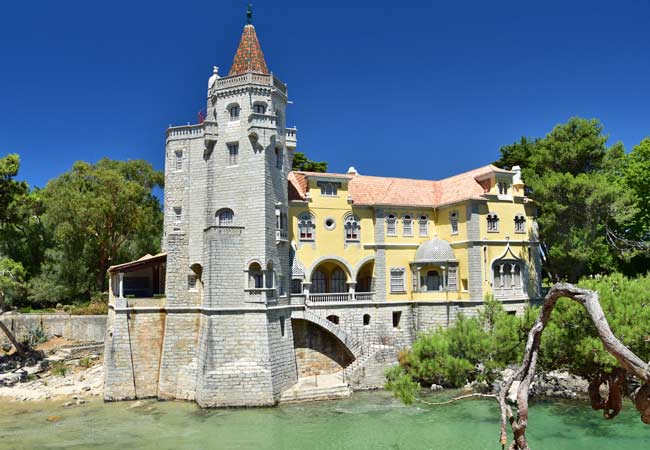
pixel 365 277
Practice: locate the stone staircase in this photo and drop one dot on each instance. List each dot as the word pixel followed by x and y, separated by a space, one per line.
pixel 367 353
pixel 314 388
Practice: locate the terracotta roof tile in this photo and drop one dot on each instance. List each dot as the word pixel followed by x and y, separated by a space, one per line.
pixel 369 190
pixel 249 56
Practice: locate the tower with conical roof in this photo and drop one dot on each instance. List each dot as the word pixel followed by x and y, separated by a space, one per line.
pixel 228 338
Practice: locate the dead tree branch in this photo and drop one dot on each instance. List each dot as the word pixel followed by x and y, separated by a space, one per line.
pixel 630 362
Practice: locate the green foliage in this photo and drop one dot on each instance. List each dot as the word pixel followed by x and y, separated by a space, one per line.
pixel 12 275
pixel 302 163
pixel 473 349
pixel 570 340
pixel 59 368
pixel 36 335
pixel 99 215
pixel 575 180
pixel 401 385
pixel 85 362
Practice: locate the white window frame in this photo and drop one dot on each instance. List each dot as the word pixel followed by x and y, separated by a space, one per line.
pixel 352 228
pixel 397 280
pixel 520 223
pixel 492 223
pixel 328 190
pixel 407 225
pixel 234 112
pixel 233 154
pixel 225 217
pixel 423 224
pixel 453 222
pixel 177 212
pixel 178 161
pixel 306 227
pixel 391 225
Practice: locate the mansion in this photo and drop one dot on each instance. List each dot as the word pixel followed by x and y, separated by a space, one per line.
pixel 270 276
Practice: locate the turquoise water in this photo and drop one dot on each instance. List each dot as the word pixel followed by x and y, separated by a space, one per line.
pixel 366 421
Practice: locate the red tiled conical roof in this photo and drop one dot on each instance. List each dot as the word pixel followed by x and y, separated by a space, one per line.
pixel 249 56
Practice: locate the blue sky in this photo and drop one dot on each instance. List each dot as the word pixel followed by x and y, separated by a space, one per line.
pixel 411 89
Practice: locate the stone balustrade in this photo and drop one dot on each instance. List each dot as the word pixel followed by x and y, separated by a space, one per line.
pixel 184 132
pixel 248 78
pixel 341 297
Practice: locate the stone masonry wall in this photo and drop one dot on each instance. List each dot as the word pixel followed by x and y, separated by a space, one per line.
pixel 75 328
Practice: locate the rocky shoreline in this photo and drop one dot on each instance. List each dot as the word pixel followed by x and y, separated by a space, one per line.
pixel 71 373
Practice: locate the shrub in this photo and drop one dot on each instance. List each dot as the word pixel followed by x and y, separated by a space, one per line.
pixel 59 368
pixel 85 362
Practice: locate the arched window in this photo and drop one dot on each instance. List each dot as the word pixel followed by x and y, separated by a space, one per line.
pixel 423 223
pixel 520 223
pixel 352 228
pixel 391 229
pixel 366 319
pixel 407 225
pixel 255 277
pixel 338 281
pixel 225 217
pixel 234 112
pixel 318 283
pixel 179 160
pixel 259 108
pixel 492 223
pixel 453 221
pixel 334 319
pixel 306 227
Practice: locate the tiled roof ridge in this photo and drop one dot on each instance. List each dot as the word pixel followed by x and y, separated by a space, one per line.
pixel 481 169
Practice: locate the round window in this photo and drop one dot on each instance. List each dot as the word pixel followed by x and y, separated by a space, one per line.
pixel 330 223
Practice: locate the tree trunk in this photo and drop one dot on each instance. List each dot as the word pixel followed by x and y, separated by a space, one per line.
pixel 13 340
pixel 630 362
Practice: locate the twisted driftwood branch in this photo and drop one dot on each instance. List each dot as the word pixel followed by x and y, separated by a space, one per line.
pixel 630 362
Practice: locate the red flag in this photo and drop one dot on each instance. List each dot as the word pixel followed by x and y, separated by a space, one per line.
pixel 201 117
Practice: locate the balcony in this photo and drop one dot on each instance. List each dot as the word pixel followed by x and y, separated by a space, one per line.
pixel 291 137
pixel 341 297
pixel 185 132
pixel 250 78
pixel 281 236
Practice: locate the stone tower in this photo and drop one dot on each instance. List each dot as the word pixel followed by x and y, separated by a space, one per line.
pixel 228 337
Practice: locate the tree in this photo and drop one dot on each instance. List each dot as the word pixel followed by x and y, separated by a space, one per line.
pixel 302 163
pixel 12 276
pixel 100 214
pixel 575 181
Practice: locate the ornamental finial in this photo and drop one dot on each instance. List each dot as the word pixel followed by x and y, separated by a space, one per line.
pixel 249 14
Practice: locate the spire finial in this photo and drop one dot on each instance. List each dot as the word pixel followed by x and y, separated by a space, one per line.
pixel 249 14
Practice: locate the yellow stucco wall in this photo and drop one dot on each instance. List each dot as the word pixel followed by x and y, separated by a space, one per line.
pixel 329 244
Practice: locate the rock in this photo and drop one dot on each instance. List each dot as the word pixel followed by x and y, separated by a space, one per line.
pixel 436 387
pixel 81 401
pixel 86 388
pixel 67 404
pixel 136 405
pixel 12 378
pixel 53 418
pixel 6 347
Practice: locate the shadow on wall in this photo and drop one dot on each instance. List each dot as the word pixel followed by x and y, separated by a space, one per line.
pixel 317 350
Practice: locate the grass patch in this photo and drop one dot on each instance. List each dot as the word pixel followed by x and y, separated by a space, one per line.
pixel 59 368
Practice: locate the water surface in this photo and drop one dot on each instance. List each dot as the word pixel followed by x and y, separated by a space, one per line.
pixel 366 421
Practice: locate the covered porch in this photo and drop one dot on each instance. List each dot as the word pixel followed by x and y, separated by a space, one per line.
pixel 333 281
pixel 435 271
pixel 143 278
